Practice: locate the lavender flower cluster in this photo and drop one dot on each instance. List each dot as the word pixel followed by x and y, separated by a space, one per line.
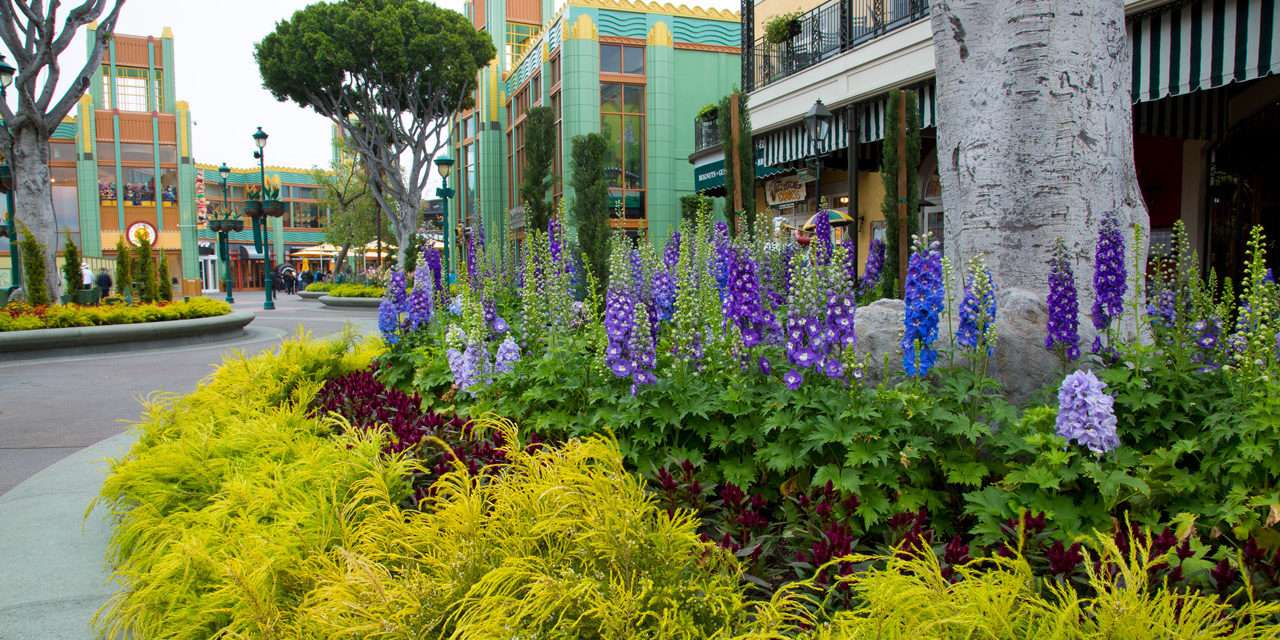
pixel 1109 280
pixel 1086 414
pixel 924 298
pixel 1063 328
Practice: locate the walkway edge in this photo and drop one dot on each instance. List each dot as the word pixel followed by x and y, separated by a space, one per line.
pixel 364 303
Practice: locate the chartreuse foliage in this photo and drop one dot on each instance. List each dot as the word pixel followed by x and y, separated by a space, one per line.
pixel 20 318
pixel 352 290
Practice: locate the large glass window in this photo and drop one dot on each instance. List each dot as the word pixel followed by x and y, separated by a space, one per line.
pixel 519 38
pixel 169 186
pixel 62 151
pixel 106 182
pixel 304 214
pixel 623 127
pixel 139 185
pixel 135 152
pixel 131 89
pixel 66 206
pixel 621 58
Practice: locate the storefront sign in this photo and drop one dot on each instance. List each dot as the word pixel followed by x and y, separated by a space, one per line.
pixel 784 190
pixel 140 231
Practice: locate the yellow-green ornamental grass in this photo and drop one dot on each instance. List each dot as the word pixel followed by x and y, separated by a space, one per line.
pixel 239 515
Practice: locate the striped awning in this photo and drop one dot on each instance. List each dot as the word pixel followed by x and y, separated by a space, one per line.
pixel 1202 44
pixel 791 143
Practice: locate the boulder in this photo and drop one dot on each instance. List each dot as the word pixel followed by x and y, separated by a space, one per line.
pixel 1020 361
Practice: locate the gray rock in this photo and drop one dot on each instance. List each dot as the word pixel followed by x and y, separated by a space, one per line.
pixel 1020 361
pixel 18 295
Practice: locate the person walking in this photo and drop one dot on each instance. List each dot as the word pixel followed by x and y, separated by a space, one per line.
pixel 104 282
pixel 86 276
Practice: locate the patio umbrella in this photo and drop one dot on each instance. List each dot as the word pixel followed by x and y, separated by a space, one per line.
pixel 837 219
pixel 317 251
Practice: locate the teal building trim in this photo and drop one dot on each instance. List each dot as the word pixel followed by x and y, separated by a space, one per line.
pixel 662 206
pixel 168 84
pixel 115 144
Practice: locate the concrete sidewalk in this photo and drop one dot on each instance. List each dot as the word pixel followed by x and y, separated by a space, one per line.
pixel 54 575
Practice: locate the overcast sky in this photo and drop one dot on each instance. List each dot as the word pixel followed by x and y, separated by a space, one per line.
pixel 217 76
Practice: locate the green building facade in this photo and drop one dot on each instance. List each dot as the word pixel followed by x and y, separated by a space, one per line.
pixel 635 72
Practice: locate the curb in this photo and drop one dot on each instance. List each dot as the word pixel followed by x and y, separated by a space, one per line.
pixel 311 295
pixel 40 339
pixel 363 303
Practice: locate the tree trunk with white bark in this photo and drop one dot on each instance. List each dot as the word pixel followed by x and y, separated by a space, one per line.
pixel 1035 134
pixel 33 198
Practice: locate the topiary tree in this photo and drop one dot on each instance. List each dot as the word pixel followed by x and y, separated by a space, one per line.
pixel 124 270
pixel 144 270
pixel 591 202
pixel 71 265
pixel 389 74
pixel 889 164
pixel 535 175
pixel 164 287
pixel 33 267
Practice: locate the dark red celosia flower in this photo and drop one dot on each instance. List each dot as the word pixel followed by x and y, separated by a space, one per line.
pixel 903 519
pixel 1063 560
pixel 751 519
pixel 1223 574
pixel 1253 554
pixel 689 469
pixel 1162 543
pixel 1184 550
pixel 727 542
pixel 758 502
pixel 956 551
pixel 823 509
pixel 1175 576
pixel 667 481
pixel 695 488
pixel 731 494
pixel 851 503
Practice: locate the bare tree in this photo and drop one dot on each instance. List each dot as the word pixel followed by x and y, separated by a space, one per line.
pixel 36 36
pixel 1035 132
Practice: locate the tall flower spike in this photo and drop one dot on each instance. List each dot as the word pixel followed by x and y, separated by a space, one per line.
pixel 977 308
pixel 1109 276
pixel 420 300
pixel 396 286
pixel 1063 328
pixel 389 321
pixel 643 357
pixel 924 296
pixel 1086 413
pixel 822 236
pixel 875 263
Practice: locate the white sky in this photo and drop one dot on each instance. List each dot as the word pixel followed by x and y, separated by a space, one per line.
pixel 217 76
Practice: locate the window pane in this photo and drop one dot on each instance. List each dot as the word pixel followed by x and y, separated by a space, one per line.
pixel 62 151
pixel 611 129
pixel 106 151
pixel 633 60
pixel 611 98
pixel 106 183
pixel 136 152
pixel 168 154
pixel 169 186
pixel 139 185
pixel 634 99
pixel 634 145
pixel 610 58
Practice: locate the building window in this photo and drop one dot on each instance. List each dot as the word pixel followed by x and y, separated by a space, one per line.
pixel 135 152
pixel 519 38
pixel 535 88
pixel 621 58
pixel 62 151
pixel 555 70
pixel 623 127
pixel 169 186
pixel 131 89
pixel 139 185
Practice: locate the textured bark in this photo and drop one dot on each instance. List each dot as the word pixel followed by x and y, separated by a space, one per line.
pixel 1035 133
pixel 33 198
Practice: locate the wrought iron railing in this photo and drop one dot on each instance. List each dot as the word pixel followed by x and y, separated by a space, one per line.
pixel 827 31
pixel 706 134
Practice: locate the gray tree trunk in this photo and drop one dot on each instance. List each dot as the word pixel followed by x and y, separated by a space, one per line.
pixel 404 225
pixel 33 198
pixel 1035 134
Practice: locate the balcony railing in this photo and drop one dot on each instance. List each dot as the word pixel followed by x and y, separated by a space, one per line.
pixel 827 31
pixel 706 134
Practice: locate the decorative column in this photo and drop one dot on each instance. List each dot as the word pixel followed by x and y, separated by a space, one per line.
pixel 90 207
pixel 186 196
pixel 580 87
pixel 661 207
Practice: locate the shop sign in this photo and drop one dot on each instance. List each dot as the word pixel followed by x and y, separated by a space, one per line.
pixel 784 190
pixel 140 231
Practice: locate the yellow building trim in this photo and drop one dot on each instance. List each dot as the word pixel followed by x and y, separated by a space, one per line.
pixel 660 34
pixel 86 111
pixel 166 32
pixel 493 91
pixel 583 28
pixel 184 145
pixel 546 51
pixel 665 8
pixel 204 166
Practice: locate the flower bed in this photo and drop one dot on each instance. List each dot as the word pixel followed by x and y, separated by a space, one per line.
pixel 20 317
pixel 250 509
pixel 730 375
pixel 355 291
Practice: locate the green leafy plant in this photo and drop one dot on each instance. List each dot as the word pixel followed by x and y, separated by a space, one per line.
pixel 782 27
pixel 33 273
pixel 124 269
pixel 889 173
pixel 354 291
pixel 163 285
pixel 71 265
pixel 535 175
pixel 708 111
pixel 591 202
pixel 144 270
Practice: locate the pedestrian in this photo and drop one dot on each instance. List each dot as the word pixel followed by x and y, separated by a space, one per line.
pixel 104 281
pixel 86 276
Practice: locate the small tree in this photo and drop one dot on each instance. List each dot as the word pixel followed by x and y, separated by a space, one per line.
pixel 591 202
pixel 690 205
pixel 144 266
pixel 353 213
pixel 162 279
pixel 889 173
pixel 743 155
pixel 124 269
pixel 71 266
pixel 535 175
pixel 411 254
pixel 33 267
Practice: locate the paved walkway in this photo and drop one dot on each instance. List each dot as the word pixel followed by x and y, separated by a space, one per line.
pixel 61 417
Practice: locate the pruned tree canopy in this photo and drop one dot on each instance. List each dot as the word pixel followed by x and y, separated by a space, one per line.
pixel 389 73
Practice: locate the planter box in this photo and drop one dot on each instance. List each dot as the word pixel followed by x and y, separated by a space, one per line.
pixel 40 339
pixel 312 295
pixel 359 303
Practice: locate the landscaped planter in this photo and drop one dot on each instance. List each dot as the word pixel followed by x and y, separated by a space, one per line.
pixel 40 339
pixel 359 303
pixel 311 295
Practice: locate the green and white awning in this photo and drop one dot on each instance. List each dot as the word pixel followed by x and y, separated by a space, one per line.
pixel 1203 44
pixel 791 143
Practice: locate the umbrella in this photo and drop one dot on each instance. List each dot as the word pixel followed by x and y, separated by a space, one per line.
pixel 318 251
pixel 837 218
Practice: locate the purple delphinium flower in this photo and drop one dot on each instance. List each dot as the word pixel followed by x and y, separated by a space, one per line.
pixel 420 300
pixel 1206 334
pixel 553 238
pixel 875 264
pixel 822 236
pixel 742 305
pixel 619 320
pixel 641 347
pixel 1063 328
pixel 924 297
pixel 664 294
pixel 508 354
pixel 671 253
pixel 396 286
pixel 470 367
pixel 720 256
pixel 432 258
pixel 1109 281
pixel 765 367
pixel 389 321
pixel 793 379
pixel 1162 311
pixel 1086 413
pixel 971 308
pixel 840 316
pixel 850 261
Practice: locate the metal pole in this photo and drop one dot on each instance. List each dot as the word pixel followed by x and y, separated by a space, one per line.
pixel 444 230
pixel 903 246
pixel 226 242
pixel 852 165
pixel 267 279
pixel 11 222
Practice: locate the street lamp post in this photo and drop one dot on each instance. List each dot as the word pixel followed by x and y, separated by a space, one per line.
pixel 224 229
pixel 817 123
pixel 260 139
pixel 7 183
pixel 444 164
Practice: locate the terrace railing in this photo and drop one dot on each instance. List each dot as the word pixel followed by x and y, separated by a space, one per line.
pixel 705 134
pixel 827 31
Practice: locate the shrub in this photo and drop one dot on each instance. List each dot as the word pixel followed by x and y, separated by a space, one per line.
pixel 18 318
pixel 124 269
pixel 71 266
pixel 319 286
pixel 33 273
pixel 356 291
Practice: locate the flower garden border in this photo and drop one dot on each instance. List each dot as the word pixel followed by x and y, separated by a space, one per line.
pixel 71 337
